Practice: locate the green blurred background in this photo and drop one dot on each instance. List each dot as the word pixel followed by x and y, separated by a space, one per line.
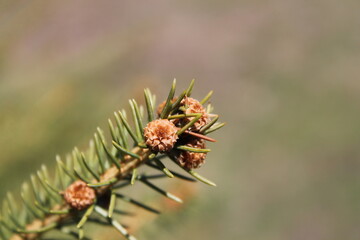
pixel 286 80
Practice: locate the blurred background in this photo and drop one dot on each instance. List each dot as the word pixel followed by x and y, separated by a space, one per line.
pixel 286 80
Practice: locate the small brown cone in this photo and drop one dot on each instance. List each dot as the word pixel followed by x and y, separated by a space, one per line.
pixel 194 106
pixel 79 195
pixel 190 160
pixel 162 105
pixel 160 135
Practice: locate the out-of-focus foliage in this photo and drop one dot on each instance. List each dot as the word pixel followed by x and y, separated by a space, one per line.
pixel 285 75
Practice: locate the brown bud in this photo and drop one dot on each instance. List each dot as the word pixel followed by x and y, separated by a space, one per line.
pixel 79 195
pixel 162 105
pixel 190 160
pixel 160 135
pixel 194 106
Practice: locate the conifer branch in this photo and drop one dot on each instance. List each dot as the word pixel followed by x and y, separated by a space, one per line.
pixel 89 182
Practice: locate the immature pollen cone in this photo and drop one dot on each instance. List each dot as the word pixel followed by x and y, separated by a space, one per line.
pixel 190 160
pixel 79 195
pixel 162 105
pixel 160 135
pixel 194 106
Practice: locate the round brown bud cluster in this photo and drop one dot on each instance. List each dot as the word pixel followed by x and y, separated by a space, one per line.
pixel 194 106
pixel 162 105
pixel 79 195
pixel 160 135
pixel 190 160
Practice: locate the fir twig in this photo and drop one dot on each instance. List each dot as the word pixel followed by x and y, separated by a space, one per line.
pixel 104 169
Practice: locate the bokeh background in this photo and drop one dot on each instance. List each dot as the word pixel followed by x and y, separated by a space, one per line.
pixel 286 80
